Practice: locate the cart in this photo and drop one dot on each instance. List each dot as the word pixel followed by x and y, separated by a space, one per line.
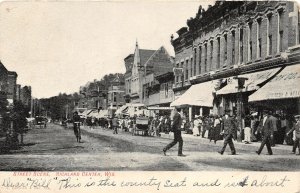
pixel 141 126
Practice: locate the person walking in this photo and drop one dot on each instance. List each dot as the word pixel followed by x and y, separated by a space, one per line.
pixel 175 128
pixel 274 126
pixel 114 123
pixel 216 130
pixel 229 131
pixel 247 130
pixel 296 128
pixel 196 126
pixel 267 133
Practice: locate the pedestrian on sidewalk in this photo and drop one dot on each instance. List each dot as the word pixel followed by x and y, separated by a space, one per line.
pixel 274 120
pixel 216 129
pixel 196 126
pixel 115 125
pixel 296 129
pixel 229 131
pixel 175 128
pixel 247 129
pixel 267 133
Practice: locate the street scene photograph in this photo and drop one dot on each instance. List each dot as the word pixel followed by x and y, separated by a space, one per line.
pixel 150 86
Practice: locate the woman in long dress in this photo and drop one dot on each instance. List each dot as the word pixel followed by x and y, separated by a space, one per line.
pixel 196 126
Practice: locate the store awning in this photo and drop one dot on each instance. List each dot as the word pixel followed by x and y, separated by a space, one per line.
pixel 284 85
pixel 102 114
pixel 253 82
pixel 122 110
pixel 160 108
pixel 197 95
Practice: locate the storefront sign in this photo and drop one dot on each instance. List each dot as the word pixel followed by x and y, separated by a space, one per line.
pixel 285 94
pixel 178 71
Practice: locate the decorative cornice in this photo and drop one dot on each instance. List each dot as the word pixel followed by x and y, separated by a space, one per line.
pixel 257 66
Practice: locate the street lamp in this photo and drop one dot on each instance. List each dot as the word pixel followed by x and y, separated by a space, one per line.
pixel 241 83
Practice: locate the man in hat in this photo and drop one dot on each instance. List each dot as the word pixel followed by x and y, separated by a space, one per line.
pixel 229 131
pixel 266 130
pixel 175 128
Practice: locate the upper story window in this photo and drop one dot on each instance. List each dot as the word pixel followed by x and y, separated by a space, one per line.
pixel 280 30
pixel 241 46
pixel 225 48
pixel 269 34
pixel 181 66
pixel 211 52
pixel 200 58
pixel 259 43
pixel 250 42
pixel 177 77
pixel 233 46
pixel 192 67
pixel 218 52
pixel 195 61
pixel 205 57
pixel 187 70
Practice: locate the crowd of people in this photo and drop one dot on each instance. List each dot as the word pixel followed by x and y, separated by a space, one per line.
pixel 280 130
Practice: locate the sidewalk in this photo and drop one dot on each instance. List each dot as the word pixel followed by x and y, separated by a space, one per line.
pixel 190 140
pixel 253 146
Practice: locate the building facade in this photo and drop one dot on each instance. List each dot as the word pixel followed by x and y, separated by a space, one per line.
pixel 25 96
pixel 229 42
pixel 141 69
pixel 3 79
pixel 12 86
pixel 94 96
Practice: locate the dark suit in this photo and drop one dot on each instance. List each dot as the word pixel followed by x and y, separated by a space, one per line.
pixel 177 121
pixel 267 134
pixel 274 139
pixel 229 127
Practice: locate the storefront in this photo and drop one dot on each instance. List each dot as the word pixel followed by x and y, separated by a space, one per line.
pixel 234 96
pixel 282 93
pixel 197 100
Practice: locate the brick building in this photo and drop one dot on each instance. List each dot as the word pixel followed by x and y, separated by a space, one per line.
pixel 18 92
pixel 3 79
pixel 128 65
pixel 233 48
pixel 141 69
pixel 94 96
pixel 12 86
pixel 25 96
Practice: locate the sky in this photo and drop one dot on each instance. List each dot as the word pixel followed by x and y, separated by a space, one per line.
pixel 56 47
